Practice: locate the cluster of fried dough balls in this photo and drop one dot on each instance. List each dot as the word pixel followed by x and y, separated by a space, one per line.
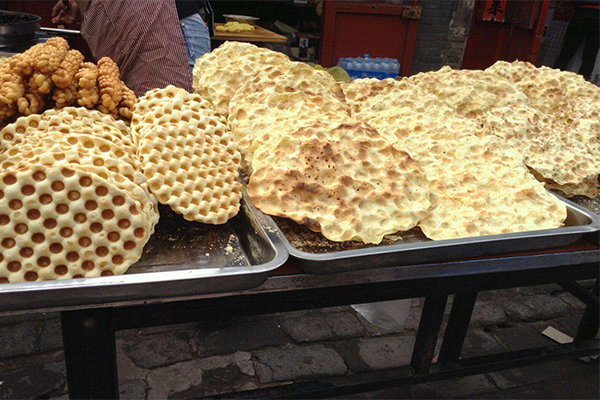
pixel 50 75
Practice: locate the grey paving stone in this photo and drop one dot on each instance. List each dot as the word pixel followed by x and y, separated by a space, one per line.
pixel 548 372
pixel 178 380
pixel 51 336
pixel 386 352
pixel 487 313
pixel 307 328
pixel 538 289
pixel 391 393
pixel 535 391
pixel 228 374
pixel 567 324
pixel 240 335
pixel 128 371
pixel 133 389
pixel 297 362
pixel 19 339
pixel 479 343
pixel 517 311
pixel 523 336
pixel 546 306
pixel 453 388
pixel 161 349
pixel 345 325
pixel 37 380
pixel 576 388
pixel 571 300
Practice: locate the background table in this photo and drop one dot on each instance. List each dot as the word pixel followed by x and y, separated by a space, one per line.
pixel 259 34
pixel 89 334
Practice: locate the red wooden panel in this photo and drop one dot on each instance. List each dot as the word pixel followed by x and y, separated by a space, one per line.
pixel 493 10
pixel 358 28
pixel 489 42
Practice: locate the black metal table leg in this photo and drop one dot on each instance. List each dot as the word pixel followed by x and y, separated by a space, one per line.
pixel 427 335
pixel 458 325
pixel 590 322
pixel 90 354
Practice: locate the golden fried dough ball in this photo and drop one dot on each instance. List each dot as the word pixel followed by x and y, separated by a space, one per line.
pixel 51 55
pixel 31 103
pixel 67 69
pixel 40 83
pixel 127 103
pixel 87 80
pixel 11 85
pixel 64 97
pixel 109 84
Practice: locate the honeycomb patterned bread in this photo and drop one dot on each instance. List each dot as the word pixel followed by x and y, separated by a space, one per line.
pixel 58 223
pixel 65 124
pixel 478 184
pixel 220 73
pixel 188 156
pixel 260 117
pixel 343 180
pixel 293 77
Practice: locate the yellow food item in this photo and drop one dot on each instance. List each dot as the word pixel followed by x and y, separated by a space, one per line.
pixel 343 180
pixel 220 73
pixel 234 26
pixel 188 155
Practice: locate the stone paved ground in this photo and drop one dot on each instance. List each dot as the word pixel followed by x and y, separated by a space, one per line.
pixel 228 355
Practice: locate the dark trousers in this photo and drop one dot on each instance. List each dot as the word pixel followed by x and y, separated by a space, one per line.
pixel 584 25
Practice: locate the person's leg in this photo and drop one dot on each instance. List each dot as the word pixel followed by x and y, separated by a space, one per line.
pixel 195 37
pixel 592 43
pixel 573 38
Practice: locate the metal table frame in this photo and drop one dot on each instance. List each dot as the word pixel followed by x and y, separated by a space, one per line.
pixel 89 334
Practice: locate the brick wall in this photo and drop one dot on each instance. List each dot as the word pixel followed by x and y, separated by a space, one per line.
pixel 442 34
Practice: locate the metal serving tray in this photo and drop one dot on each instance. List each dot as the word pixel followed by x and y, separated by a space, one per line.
pixel 182 259
pixel 317 255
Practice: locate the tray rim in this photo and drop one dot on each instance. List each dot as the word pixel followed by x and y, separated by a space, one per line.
pixel 280 257
pixel 593 226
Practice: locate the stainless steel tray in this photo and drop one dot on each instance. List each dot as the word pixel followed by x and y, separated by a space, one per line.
pixel 182 259
pixel 317 255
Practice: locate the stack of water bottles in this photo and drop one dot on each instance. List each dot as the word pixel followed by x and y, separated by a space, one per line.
pixel 366 67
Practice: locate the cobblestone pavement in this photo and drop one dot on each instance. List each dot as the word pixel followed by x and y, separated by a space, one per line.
pixel 229 355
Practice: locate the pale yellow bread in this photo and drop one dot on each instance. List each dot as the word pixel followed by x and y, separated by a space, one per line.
pixel 194 171
pixel 63 124
pixel 220 73
pixel 559 92
pixel 170 97
pixel 550 147
pixel 514 71
pixel 59 223
pixel 72 154
pixel 343 180
pixel 51 139
pixel 587 188
pixel 479 185
pixel 292 77
pixel 265 116
pixel 170 114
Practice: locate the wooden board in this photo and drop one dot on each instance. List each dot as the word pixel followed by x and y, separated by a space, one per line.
pixel 258 35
